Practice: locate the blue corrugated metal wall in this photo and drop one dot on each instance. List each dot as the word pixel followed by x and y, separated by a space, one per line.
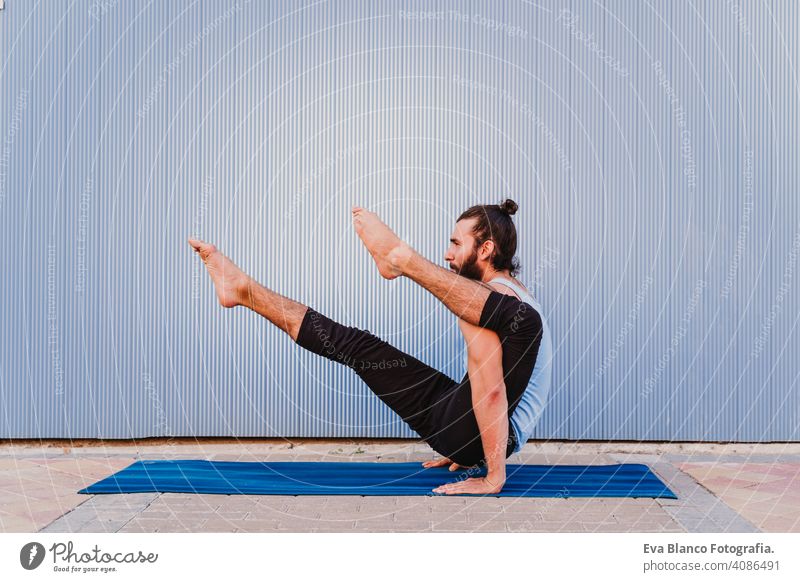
pixel 652 147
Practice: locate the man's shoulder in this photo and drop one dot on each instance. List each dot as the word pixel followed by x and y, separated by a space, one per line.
pixel 505 289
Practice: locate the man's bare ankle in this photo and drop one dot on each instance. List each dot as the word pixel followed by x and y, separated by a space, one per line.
pixel 244 293
pixel 401 257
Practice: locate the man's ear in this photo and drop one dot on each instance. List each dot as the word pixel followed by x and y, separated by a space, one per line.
pixel 486 250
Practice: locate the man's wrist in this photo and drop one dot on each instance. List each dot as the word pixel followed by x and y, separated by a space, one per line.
pixel 497 477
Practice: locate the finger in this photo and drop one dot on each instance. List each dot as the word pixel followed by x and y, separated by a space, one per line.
pixel 454 490
pixel 435 463
pixel 459 487
pixel 455 467
pixel 448 487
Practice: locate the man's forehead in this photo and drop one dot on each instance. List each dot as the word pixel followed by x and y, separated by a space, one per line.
pixel 463 228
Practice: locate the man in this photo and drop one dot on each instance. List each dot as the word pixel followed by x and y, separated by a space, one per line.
pixel 489 414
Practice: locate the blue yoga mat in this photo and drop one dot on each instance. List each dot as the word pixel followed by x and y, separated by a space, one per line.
pixel 368 478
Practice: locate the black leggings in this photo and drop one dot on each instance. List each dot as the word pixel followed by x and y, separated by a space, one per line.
pixel 434 405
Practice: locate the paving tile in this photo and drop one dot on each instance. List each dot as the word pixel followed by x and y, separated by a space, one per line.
pixel 338 527
pixel 780 525
pixel 448 519
pixel 408 527
pixel 257 526
pixel 461 527
pixel 237 515
pixel 378 511
pixel 383 528
pixel 17 525
pixel 261 514
pixel 139 528
pixel 237 502
pixel 100 527
pixel 374 519
pixel 477 518
pixel 156 514
pixel 219 525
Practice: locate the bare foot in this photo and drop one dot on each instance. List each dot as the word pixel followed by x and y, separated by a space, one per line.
pixel 441 463
pixel 390 253
pixel 230 281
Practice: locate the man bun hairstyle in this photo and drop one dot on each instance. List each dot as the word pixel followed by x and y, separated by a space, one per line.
pixel 493 222
pixel 509 207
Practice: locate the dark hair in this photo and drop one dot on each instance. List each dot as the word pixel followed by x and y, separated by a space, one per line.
pixel 494 222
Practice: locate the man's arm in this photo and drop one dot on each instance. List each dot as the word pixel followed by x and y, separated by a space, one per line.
pixel 490 403
pixel 489 400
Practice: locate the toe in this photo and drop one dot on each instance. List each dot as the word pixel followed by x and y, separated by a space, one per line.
pixel 203 248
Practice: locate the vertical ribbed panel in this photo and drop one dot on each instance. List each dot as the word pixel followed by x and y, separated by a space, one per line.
pixel 652 148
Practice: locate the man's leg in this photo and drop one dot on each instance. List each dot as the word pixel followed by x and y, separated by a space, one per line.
pixel 408 386
pixel 234 287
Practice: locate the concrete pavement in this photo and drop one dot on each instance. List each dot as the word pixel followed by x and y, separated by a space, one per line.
pixel 721 488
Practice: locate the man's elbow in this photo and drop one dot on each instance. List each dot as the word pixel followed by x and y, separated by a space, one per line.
pixel 489 390
pixel 495 396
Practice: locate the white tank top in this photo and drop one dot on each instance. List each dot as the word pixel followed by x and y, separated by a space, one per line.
pixel 529 409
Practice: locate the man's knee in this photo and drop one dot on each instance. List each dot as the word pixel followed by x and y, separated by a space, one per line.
pixel 328 338
pixel 353 347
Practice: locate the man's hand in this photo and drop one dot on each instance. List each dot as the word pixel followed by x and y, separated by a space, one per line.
pixel 441 463
pixel 479 485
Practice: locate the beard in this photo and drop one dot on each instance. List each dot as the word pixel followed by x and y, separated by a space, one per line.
pixel 469 268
